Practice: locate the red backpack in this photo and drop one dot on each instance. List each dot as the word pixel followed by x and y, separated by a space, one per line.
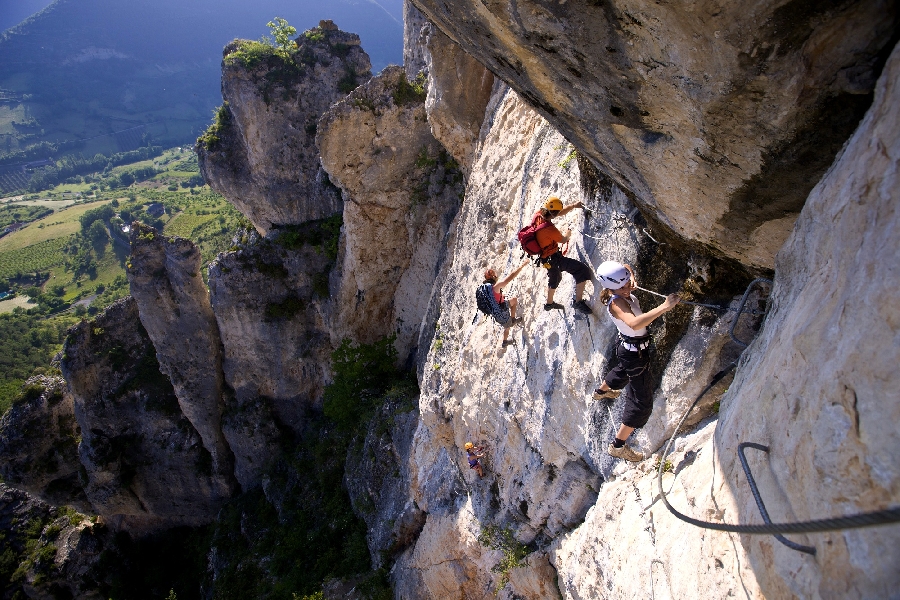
pixel 528 238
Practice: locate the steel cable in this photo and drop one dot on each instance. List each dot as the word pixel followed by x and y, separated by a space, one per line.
pixel 867 519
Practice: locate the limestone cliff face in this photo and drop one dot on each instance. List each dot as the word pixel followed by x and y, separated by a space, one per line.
pixel 39 443
pixel 819 385
pixel 530 404
pixel 265 161
pixel 459 88
pixel 164 277
pixel 146 464
pixel 717 118
pixel 267 298
pixel 401 192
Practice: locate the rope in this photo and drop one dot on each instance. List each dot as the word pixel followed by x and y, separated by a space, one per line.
pixel 867 519
pixel 713 306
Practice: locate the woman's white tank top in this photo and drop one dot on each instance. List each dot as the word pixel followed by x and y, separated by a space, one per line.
pixel 635 309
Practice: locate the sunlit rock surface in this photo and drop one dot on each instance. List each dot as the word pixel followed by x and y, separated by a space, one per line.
pixel 401 192
pixel 266 162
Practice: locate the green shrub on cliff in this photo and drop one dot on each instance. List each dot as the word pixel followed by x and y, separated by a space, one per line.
pixel 211 137
pixel 362 372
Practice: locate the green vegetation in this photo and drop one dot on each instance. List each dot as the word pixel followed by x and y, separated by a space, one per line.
pixel 410 91
pixel 27 343
pixel 282 32
pixel 322 234
pixel 28 547
pixel 70 261
pixel 362 374
pixel 573 155
pixel 212 136
pixel 18 213
pixel 514 551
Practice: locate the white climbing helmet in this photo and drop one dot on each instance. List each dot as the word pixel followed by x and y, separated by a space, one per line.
pixel 613 275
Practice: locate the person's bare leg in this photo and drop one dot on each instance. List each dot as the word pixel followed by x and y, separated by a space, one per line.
pixel 512 315
pixel 604 387
pixel 579 290
pixel 550 293
pixel 624 430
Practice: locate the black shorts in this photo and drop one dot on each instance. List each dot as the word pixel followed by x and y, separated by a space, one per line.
pixel 632 368
pixel 559 263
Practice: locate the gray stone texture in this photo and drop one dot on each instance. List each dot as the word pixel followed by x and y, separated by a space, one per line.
pixel 717 118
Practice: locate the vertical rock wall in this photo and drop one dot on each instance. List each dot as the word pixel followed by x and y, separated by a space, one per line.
pixel 174 307
pixel 267 299
pixel 265 160
pixel 530 403
pixel 401 193
pixel 819 385
pixel 145 463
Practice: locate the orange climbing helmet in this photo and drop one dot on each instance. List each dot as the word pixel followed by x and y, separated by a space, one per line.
pixel 469 445
pixel 553 204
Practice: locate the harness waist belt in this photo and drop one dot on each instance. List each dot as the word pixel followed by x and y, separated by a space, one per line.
pixel 635 344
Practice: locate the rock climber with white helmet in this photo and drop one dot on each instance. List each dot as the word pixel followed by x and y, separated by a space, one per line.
pixel 549 239
pixel 632 352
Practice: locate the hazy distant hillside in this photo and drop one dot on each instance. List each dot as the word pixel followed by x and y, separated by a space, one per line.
pixel 123 69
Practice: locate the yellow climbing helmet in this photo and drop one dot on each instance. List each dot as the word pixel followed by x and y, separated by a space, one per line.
pixel 553 204
pixel 469 445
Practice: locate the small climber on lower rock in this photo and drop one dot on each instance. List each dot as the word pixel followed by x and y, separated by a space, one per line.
pixel 473 454
pixel 632 352
pixel 549 238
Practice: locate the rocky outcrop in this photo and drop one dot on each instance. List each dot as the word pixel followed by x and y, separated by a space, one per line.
pixel 819 385
pixel 174 307
pixel 717 120
pixel 459 89
pixel 377 479
pixel 267 297
pixel 401 193
pixel 48 552
pixel 413 45
pixel 262 156
pixel 39 443
pixel 145 464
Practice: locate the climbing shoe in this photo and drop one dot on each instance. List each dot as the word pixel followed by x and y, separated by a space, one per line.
pixel 582 306
pixel 625 452
pixel 607 395
pixel 507 343
pixel 552 305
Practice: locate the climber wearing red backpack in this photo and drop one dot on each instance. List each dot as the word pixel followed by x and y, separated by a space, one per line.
pixel 548 238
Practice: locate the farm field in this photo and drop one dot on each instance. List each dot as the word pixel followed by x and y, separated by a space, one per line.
pixel 69 265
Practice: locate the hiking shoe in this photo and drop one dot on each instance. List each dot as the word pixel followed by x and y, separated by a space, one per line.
pixel 582 306
pixel 552 305
pixel 625 452
pixel 516 321
pixel 607 395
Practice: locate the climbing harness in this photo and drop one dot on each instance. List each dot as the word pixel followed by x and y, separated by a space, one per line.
pixel 867 519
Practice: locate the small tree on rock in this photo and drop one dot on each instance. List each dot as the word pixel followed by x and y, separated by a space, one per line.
pixel 283 34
